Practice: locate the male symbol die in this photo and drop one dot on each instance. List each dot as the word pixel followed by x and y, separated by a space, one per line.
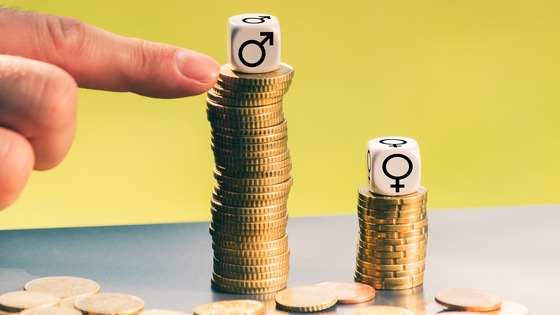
pixel 253 43
pixel 393 166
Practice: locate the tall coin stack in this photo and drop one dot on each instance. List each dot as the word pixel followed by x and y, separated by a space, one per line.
pixel 253 180
pixel 392 239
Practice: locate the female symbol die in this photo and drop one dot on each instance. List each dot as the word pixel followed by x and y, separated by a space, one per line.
pixel 393 166
pixel 253 43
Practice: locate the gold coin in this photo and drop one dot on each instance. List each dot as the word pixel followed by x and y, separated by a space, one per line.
pixel 248 139
pixel 17 301
pixel 379 285
pixel 374 199
pixel 64 287
pixel 220 266
pixel 221 235
pixel 242 103
pixel 223 216
pixel 230 183
pixel 221 108
pixel 250 283
pixel 393 227
pixel 306 299
pixel 390 214
pixel 350 292
pixel 218 206
pixel 158 311
pixel 244 307
pixel 255 174
pixel 253 261
pixel 233 93
pixel 51 310
pixel 392 241
pixel 390 267
pixel 389 274
pixel 379 310
pixel 245 121
pixel 284 73
pixel 240 290
pixel 261 225
pixel 215 98
pixel 226 161
pixel 398 207
pixel 249 154
pixel 469 300
pixel 273 274
pixel 258 169
pixel 406 220
pixel 250 253
pixel 257 132
pixel 275 243
pixel 242 88
pixel 395 235
pixel 109 304
pixel 401 207
pixel 282 143
pixel 255 122
pixel 249 202
pixel 261 189
pixel 222 194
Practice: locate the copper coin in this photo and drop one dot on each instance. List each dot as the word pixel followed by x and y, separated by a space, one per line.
pixel 469 300
pixel 350 292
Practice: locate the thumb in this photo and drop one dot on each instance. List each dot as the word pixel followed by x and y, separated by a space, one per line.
pixel 102 60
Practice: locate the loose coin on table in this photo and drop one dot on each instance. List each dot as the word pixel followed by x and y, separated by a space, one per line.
pixel 350 292
pixel 306 299
pixel 17 301
pixel 51 310
pixel 110 304
pixel 230 307
pixel 380 310
pixel 65 287
pixel 469 300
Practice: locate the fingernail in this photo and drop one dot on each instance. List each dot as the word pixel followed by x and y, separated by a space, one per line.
pixel 197 66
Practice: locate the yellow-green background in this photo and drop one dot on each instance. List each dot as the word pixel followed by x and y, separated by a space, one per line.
pixel 475 82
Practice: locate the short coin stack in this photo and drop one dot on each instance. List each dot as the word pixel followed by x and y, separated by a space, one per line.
pixel 392 241
pixel 253 180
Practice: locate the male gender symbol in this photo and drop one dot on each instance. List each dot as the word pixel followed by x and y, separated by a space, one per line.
pixel 397 185
pixel 393 143
pixel 267 36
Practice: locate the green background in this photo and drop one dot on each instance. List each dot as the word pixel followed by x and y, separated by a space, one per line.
pixel 475 82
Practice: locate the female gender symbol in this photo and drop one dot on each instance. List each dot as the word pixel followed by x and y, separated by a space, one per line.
pixel 397 185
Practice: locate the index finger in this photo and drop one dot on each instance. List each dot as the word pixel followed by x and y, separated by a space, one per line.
pixel 99 59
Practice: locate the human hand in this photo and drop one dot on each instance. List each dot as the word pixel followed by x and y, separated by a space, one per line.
pixel 44 58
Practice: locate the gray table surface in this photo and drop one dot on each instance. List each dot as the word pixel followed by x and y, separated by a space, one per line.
pixel 513 252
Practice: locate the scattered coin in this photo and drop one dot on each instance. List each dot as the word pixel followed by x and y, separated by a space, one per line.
pixel 306 299
pixel 350 292
pixel 110 304
pixel 17 301
pixel 380 310
pixel 51 310
pixel 66 288
pixel 231 307
pixel 469 300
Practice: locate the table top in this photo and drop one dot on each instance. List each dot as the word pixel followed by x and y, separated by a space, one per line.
pixel 512 252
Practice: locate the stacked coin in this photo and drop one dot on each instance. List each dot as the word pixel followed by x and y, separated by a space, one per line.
pixel 392 241
pixel 253 180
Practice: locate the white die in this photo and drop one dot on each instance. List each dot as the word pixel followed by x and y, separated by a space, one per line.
pixel 393 166
pixel 253 43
